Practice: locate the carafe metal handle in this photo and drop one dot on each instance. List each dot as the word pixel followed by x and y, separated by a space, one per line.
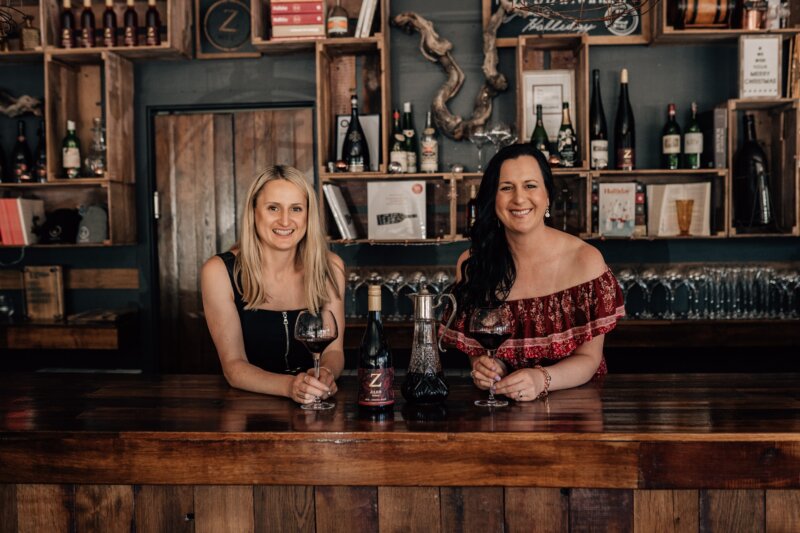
pixel 450 320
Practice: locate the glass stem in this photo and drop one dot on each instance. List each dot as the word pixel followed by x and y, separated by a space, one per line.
pixel 490 353
pixel 316 373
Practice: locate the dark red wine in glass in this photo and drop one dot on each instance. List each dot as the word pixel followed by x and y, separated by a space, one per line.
pixel 491 327
pixel 316 331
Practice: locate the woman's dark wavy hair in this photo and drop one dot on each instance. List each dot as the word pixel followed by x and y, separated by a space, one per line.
pixel 489 273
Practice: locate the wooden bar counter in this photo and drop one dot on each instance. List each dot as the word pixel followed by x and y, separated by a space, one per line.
pixel 188 453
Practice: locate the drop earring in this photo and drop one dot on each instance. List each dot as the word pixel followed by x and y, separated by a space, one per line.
pixel 547 212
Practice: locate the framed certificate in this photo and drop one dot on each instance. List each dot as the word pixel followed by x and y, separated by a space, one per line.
pixel 548 88
pixel 760 66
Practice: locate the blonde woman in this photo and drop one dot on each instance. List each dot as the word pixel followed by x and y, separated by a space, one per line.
pixel 253 293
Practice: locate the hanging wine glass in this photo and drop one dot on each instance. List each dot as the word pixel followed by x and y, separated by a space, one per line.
pixel 479 137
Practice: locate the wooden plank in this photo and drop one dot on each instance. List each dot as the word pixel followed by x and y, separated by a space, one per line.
pixel 667 511
pixel 223 508
pixel 118 98
pixel 164 508
pixel 61 337
pixel 8 508
pixel 270 136
pixel 472 509
pixel 245 164
pixel 782 511
pixel 732 510
pixel 121 213
pixel 302 121
pixel 361 504
pixel 45 508
pixel 409 509
pixel 600 510
pixel 547 508
pixel 107 508
pixel 101 278
pixel 224 186
pixel 284 508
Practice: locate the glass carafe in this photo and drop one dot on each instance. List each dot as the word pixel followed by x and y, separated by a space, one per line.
pixel 425 383
pixel 96 159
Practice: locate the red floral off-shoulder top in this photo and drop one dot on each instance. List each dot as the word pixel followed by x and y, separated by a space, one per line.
pixel 549 328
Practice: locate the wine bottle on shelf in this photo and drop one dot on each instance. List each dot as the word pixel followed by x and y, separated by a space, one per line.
pixel 21 158
pixel 411 137
pixel 87 25
pixel 4 169
pixel 625 128
pixel 471 210
pixel 109 25
pixel 354 150
pixel 693 141
pixel 131 25
pixel 429 148
pixel 751 190
pixel 95 163
pixel 67 22
pixel 40 159
pixel 671 141
pixel 567 141
pixel 539 138
pixel 398 157
pixel 71 152
pixel 152 22
pixel 337 21
pixel 375 368
pixel 394 218
pixel 598 130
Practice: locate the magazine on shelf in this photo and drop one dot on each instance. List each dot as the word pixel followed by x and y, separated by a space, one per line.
pixel 396 210
pixel 662 217
pixel 340 211
pixel 617 203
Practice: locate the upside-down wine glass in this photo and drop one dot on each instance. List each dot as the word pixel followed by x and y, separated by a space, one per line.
pixel 316 332
pixel 491 327
pixel 479 137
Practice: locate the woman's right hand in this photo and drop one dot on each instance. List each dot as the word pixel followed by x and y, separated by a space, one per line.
pixel 486 372
pixel 305 388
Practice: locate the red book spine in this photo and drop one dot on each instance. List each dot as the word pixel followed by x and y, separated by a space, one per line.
pixel 296 7
pixel 301 19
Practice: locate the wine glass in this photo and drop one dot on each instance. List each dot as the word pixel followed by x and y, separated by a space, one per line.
pixel 479 137
pixel 316 332
pixel 499 135
pixel 491 327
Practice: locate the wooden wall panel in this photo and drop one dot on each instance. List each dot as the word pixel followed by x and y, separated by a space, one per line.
pixel 8 508
pixel 346 509
pixel 409 509
pixel 284 508
pixel 731 510
pixel 783 511
pixel 223 508
pixel 665 511
pixel 593 510
pixel 547 508
pixel 164 508
pixel 107 508
pixel 472 509
pixel 224 185
pixel 45 508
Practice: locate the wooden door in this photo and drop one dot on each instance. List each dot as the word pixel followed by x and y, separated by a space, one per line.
pixel 204 166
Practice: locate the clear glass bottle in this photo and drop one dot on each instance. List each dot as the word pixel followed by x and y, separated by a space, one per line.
pixel 337 25
pixel 429 148
pixel 96 158
pixel 398 157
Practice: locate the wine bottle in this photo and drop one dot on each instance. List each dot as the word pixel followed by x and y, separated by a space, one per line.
pixel 398 157
pixel 40 159
pixel 109 25
pixel 393 218
pixel 693 141
pixel 751 194
pixel 539 138
pixel 21 158
pixel 429 147
pixel 411 137
pixel 152 21
pixel 567 142
pixel 71 152
pixel 67 21
pixel 4 169
pixel 131 25
pixel 671 141
pixel 95 163
pixel 625 128
pixel 471 210
pixel 598 131
pixel 375 370
pixel 355 151
pixel 337 21
pixel 87 25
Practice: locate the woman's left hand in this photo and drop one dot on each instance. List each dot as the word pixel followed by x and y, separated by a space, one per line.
pixel 326 377
pixel 524 385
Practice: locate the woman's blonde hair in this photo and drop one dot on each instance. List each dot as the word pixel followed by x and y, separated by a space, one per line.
pixel 312 250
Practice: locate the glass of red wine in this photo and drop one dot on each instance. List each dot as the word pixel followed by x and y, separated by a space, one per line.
pixel 491 327
pixel 316 332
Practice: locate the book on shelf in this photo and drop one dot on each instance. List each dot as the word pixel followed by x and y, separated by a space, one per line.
pixel 640 217
pixel 18 217
pixel 296 7
pixel 340 211
pixel 297 19
pixel 396 210
pixel 366 15
pixel 662 216
pixel 714 125
pixel 298 30
pixel 617 209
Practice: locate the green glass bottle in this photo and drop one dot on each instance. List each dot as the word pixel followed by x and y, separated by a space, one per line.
pixel 539 138
pixel 671 140
pixel 693 141
pixel 71 152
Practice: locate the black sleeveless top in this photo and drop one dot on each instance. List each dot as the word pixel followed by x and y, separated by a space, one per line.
pixel 269 335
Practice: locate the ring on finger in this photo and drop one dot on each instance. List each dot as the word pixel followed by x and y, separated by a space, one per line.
pixel 472 373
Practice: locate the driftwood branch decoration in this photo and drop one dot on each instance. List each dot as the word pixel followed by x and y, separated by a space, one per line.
pixel 14 107
pixel 437 50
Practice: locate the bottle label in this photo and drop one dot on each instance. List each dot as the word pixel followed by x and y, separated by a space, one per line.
pixel 671 144
pixel 67 38
pixel 337 26
pixel 429 155
pixel 87 37
pixel 355 164
pixel 153 38
pixel 400 157
pixel 376 386
pixel 599 150
pixel 693 143
pixel 71 157
pixel 412 162
pixel 109 39
pixel 625 159
pixel 130 36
